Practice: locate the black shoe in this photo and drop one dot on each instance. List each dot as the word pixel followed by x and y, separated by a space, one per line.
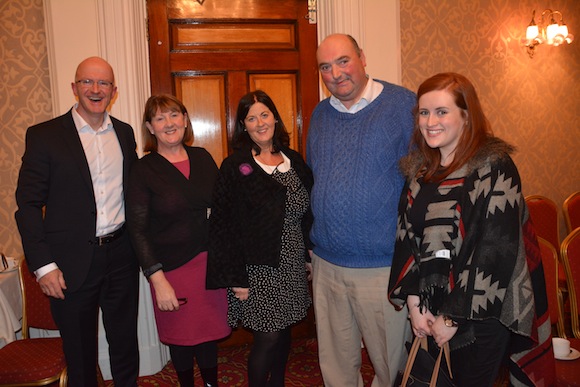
pixel 209 376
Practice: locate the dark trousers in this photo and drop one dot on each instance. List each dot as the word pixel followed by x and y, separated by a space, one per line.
pixel 478 363
pixel 113 285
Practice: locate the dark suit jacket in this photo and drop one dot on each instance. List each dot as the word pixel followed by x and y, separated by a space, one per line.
pixel 55 175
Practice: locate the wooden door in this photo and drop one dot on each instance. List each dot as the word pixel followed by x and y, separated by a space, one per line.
pixel 209 55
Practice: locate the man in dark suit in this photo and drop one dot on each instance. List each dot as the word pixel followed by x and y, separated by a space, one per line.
pixel 71 217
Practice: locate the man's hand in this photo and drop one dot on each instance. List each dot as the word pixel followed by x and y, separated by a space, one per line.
pixel 52 284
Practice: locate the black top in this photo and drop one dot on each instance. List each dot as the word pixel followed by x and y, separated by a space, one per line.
pixel 167 213
pixel 420 204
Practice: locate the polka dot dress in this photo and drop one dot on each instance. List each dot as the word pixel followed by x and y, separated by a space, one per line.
pixel 278 296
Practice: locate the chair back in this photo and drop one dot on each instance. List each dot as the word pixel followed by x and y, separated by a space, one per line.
pixel 570 256
pixel 571 211
pixel 550 264
pixel 35 304
pixel 544 214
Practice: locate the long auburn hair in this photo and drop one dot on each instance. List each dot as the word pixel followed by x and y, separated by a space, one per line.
pixel 475 133
pixel 163 103
pixel 241 138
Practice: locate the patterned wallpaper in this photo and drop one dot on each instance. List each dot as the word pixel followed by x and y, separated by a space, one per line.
pixel 532 103
pixel 24 100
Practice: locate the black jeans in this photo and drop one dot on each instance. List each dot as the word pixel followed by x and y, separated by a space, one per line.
pixel 478 363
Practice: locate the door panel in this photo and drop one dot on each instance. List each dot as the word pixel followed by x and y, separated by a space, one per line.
pixel 236 9
pixel 204 99
pixel 233 36
pixel 209 55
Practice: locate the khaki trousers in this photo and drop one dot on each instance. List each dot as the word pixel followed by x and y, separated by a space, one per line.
pixel 351 307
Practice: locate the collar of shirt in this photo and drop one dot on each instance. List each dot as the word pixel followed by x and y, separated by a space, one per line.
pixel 83 126
pixel 371 91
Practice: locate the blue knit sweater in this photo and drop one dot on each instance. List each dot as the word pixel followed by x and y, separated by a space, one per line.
pixel 357 183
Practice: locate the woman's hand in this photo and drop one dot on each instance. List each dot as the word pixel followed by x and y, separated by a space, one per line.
pixel 441 332
pixel 164 293
pixel 420 322
pixel 241 294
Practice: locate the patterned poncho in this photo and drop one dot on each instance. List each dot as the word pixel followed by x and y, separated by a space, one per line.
pixel 477 257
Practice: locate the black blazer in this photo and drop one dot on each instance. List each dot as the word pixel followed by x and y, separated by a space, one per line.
pixel 247 218
pixel 55 175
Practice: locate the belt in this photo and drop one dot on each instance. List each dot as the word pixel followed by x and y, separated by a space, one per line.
pixel 103 240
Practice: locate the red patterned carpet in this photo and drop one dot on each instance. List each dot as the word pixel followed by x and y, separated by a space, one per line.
pixel 302 371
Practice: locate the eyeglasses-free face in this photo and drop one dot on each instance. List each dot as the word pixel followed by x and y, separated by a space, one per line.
pixel 260 124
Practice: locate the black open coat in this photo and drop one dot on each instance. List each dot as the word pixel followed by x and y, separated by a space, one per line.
pixel 247 218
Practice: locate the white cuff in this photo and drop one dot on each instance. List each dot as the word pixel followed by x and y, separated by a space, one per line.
pixel 42 271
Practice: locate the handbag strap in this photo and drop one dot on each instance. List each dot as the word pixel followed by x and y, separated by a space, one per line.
pixel 422 342
pixel 410 361
pixel 447 351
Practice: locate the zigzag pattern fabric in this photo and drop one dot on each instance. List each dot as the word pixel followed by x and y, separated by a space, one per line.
pixel 493 268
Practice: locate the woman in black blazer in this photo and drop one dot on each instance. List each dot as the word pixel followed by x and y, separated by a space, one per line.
pixel 259 241
pixel 168 204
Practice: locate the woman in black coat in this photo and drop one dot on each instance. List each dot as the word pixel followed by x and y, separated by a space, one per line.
pixel 259 236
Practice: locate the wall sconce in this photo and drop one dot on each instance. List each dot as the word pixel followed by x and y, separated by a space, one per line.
pixel 553 34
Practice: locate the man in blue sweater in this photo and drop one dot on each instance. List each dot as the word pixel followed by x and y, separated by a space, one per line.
pixel 355 140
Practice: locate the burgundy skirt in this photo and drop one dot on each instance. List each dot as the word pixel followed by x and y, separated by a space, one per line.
pixel 203 318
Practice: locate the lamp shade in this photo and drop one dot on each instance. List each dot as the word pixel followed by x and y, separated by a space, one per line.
pixel 532 32
pixel 551 32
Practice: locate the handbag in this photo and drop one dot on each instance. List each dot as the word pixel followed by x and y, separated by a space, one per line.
pixel 422 369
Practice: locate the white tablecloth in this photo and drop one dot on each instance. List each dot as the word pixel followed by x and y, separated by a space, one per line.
pixel 10 306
